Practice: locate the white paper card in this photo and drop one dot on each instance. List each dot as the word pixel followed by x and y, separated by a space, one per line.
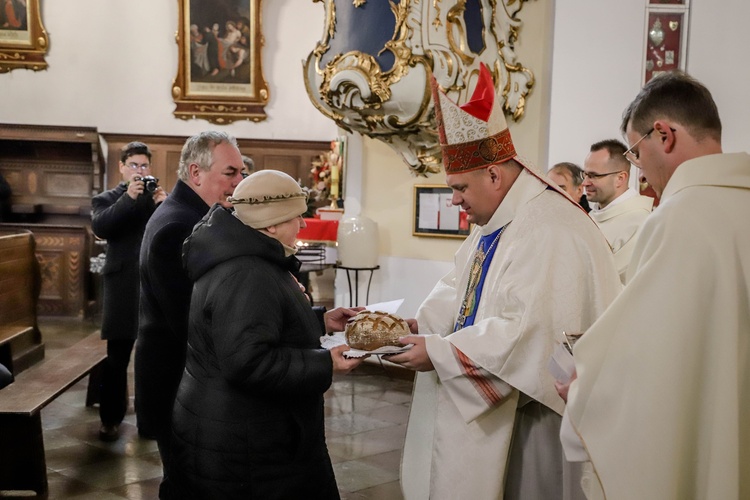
pixel 561 364
pixel 389 307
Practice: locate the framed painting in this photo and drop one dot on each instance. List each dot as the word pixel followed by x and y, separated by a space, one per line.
pixel 219 72
pixel 435 215
pixel 23 39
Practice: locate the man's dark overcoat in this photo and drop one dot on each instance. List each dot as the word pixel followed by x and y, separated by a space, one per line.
pixel 164 306
pixel 121 220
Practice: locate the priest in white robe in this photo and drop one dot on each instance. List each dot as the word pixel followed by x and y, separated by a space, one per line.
pixel 662 400
pixel 485 416
pixel 617 209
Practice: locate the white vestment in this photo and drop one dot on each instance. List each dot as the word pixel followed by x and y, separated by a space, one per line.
pixel 552 271
pixel 621 223
pixel 662 399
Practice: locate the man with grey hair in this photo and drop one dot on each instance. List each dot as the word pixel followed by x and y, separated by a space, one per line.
pixel 569 177
pixel 209 170
pixel 618 209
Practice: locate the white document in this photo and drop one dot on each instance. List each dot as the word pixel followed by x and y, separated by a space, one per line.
pixel 389 307
pixel 429 210
pixel 561 364
pixel 448 213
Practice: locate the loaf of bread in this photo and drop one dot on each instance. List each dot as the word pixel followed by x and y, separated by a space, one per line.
pixel 370 330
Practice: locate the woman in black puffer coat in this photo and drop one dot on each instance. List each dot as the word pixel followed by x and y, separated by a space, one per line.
pixel 248 418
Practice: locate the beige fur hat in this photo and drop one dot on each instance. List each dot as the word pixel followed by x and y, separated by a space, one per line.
pixel 268 197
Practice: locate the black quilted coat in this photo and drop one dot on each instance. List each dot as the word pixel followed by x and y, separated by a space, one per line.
pixel 248 419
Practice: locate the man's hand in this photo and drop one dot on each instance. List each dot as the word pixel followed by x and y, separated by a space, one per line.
pixel 342 365
pixel 135 187
pixel 415 358
pixel 159 195
pixel 413 325
pixel 562 389
pixel 336 319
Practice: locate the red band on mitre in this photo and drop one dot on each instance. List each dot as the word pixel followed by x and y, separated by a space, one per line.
pixel 478 154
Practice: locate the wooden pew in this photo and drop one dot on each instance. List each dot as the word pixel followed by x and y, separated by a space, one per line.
pixel 22 462
pixel 20 340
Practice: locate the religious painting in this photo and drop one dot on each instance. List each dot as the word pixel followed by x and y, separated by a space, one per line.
pixel 219 75
pixel 23 40
pixel 666 39
pixel 435 214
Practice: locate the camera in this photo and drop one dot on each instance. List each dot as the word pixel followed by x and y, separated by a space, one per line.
pixel 150 183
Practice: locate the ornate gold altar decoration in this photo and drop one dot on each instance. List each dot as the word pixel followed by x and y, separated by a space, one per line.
pixel 327 172
pixel 346 79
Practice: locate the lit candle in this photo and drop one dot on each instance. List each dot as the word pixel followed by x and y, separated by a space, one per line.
pixel 334 175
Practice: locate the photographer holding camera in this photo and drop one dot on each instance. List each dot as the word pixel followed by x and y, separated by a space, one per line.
pixel 120 216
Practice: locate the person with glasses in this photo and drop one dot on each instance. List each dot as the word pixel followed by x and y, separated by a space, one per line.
pixel 120 216
pixel 662 399
pixel 569 177
pixel 617 208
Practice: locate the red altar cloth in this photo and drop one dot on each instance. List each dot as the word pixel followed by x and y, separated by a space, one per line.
pixel 319 230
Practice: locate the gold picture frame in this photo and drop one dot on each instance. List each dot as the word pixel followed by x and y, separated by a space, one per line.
pixel 219 72
pixel 23 39
pixel 435 215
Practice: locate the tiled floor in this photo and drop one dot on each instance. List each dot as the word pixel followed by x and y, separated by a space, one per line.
pixel 366 415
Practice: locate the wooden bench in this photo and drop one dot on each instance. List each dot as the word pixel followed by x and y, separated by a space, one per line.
pixel 20 340
pixel 22 462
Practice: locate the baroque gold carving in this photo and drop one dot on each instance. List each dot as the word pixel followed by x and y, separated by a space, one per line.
pixel 394 105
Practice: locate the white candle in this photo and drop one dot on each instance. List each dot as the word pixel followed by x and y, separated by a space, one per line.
pixel 334 175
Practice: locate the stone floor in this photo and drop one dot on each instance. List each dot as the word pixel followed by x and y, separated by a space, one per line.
pixel 366 415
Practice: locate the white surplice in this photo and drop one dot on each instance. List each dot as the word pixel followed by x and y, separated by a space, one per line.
pixel 621 223
pixel 662 400
pixel 552 271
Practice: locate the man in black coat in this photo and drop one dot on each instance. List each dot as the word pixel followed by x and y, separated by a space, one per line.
pixel 210 168
pixel 120 216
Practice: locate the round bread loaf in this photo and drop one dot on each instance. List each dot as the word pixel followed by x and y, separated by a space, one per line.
pixel 370 330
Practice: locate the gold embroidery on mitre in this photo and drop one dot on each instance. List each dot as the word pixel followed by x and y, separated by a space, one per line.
pixel 460 126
